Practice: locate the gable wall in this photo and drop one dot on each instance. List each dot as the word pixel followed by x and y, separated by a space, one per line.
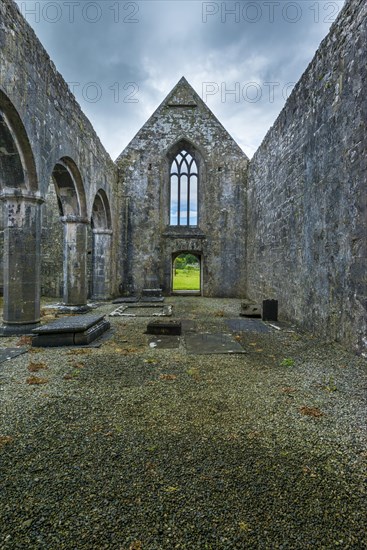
pixel 221 234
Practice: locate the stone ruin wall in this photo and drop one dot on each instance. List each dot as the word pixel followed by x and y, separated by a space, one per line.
pixel 307 207
pixel 55 125
pixel 144 171
pixel 306 215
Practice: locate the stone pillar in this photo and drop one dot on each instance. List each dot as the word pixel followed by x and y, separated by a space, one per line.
pixel 101 277
pixel 75 260
pixel 22 247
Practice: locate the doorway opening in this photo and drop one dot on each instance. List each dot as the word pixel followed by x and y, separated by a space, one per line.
pixel 186 274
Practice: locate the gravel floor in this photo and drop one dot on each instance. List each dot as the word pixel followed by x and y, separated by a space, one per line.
pixel 132 448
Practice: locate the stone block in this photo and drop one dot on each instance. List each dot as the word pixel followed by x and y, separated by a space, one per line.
pixel 70 331
pixel 151 293
pixel 270 310
pixel 250 310
pixel 164 327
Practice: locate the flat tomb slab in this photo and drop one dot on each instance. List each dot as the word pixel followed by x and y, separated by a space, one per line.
pixel 164 327
pixel 164 342
pixel 126 300
pixel 70 331
pixel 247 325
pixel 188 325
pixel 76 323
pixel 69 310
pixel 10 353
pixel 204 344
pixel 141 304
pixel 152 299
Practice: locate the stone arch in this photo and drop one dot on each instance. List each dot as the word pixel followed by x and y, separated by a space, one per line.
pixel 184 141
pixel 69 188
pixel 101 211
pixel 17 165
pixel 72 211
pixel 101 222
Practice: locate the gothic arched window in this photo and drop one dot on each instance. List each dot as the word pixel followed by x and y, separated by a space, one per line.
pixel 184 190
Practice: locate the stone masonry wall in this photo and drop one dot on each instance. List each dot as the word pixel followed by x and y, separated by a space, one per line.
pixel 52 236
pixel 55 125
pixel 307 206
pixel 144 174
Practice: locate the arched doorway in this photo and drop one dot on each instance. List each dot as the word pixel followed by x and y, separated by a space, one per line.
pixel 101 247
pixel 71 203
pixel 187 273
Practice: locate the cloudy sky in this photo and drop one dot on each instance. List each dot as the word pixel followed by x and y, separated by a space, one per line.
pixel 121 58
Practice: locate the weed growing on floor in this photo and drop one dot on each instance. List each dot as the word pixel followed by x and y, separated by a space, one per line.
pixel 287 362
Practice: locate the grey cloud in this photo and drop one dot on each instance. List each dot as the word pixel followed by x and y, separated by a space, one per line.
pixel 170 39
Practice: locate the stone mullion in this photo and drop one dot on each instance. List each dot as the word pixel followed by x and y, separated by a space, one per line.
pixel 188 197
pixel 179 198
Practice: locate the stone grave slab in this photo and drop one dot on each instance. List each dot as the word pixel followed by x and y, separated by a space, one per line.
pixel 151 293
pixel 10 353
pixel 70 310
pixel 164 327
pixel 205 344
pixel 126 300
pixel 152 299
pixel 188 325
pixel 247 325
pixel 70 331
pixel 142 310
pixel 164 342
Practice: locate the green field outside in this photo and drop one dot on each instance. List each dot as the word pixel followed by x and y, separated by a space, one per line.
pixel 185 279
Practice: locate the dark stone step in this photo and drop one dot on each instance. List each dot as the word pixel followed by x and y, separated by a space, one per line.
pixel 164 327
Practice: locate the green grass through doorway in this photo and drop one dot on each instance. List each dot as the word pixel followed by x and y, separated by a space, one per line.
pixel 186 279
